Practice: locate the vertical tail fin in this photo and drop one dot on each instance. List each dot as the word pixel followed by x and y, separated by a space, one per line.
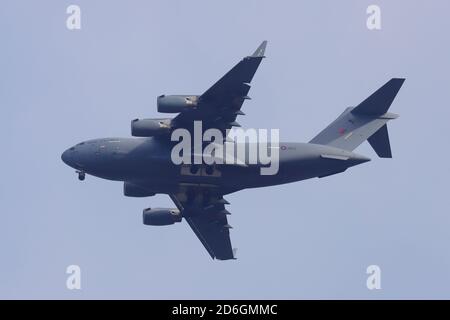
pixel 380 142
pixel 367 121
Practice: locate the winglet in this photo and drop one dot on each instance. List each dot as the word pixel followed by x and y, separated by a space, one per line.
pixel 259 53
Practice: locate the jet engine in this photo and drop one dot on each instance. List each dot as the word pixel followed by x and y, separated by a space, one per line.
pixel 149 127
pixel 176 103
pixel 132 190
pixel 161 216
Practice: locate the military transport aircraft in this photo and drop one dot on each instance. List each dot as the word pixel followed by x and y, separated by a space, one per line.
pixel 144 163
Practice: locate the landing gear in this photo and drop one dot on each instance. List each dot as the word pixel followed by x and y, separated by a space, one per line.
pixel 209 170
pixel 194 169
pixel 81 175
pixel 197 169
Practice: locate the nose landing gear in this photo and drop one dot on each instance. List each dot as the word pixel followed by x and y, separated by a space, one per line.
pixel 81 175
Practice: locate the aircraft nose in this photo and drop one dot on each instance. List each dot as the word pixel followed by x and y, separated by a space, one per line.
pixel 66 157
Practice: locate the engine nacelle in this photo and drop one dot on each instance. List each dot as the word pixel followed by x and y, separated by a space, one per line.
pixel 149 127
pixel 132 190
pixel 161 216
pixel 176 103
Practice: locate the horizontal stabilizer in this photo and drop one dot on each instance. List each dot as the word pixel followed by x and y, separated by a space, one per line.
pixel 380 101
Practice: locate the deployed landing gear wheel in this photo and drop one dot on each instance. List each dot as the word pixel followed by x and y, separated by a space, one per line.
pixel 194 169
pixel 209 170
pixel 81 175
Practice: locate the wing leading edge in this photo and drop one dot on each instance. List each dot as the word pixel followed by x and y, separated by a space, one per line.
pixel 219 106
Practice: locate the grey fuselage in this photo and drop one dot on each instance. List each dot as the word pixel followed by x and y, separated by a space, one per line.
pixel 147 162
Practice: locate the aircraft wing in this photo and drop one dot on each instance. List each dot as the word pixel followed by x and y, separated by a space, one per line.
pixel 210 225
pixel 219 106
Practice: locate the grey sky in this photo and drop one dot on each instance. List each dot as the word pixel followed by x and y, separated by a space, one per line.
pixel 312 239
